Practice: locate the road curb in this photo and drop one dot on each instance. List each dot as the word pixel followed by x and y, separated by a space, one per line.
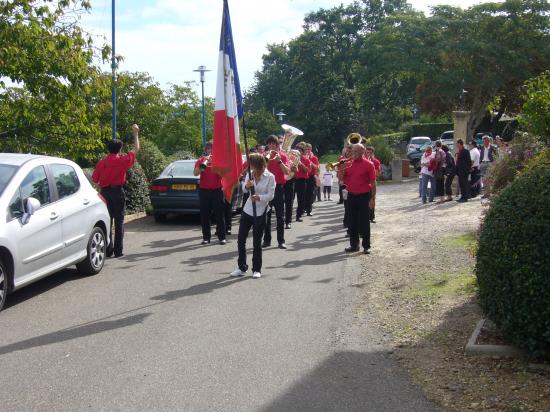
pixel 487 350
pixel 134 216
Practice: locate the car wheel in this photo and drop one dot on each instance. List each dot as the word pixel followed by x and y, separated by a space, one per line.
pixel 160 217
pixel 3 284
pixel 95 256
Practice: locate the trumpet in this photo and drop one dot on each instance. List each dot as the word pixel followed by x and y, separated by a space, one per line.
pixel 354 138
pixel 205 163
pixel 339 166
pixel 272 154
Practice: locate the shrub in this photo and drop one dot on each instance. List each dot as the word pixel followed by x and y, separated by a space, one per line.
pixel 181 155
pixel 137 190
pixel 508 165
pixel 382 149
pixel 151 159
pixel 513 258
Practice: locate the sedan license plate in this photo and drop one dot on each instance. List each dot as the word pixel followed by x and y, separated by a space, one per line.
pixel 183 187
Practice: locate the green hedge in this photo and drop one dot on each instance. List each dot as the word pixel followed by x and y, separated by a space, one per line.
pixel 432 130
pixel 151 159
pixel 513 259
pixel 137 190
pixel 382 148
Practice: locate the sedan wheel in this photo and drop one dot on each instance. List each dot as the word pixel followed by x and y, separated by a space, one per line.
pixel 95 257
pixel 3 284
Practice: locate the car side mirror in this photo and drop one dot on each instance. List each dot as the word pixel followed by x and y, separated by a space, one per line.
pixel 31 205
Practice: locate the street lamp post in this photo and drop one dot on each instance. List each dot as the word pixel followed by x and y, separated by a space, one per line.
pixel 202 70
pixel 280 115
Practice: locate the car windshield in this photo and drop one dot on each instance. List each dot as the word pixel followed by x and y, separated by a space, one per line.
pixel 6 173
pixel 420 140
pixel 179 169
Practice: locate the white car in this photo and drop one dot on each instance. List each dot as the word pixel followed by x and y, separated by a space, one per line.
pixel 416 142
pixel 51 218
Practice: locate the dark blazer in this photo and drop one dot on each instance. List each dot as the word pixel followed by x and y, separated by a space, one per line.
pixel 463 163
pixel 491 153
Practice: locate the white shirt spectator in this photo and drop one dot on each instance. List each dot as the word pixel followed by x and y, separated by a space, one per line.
pixel 327 178
pixel 475 155
pixel 265 189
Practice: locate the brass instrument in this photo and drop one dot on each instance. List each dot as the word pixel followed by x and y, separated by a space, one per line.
pixel 291 133
pixel 294 160
pixel 205 163
pixel 272 154
pixel 354 138
pixel 339 166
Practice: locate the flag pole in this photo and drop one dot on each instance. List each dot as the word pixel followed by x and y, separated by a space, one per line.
pixel 254 213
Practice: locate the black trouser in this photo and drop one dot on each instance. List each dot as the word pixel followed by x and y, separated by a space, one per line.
pixel 326 191
pixel 211 201
pixel 340 188
pixel 358 209
pixel 440 186
pixel 300 189
pixel 371 214
pixel 289 200
pixel 245 224
pixel 310 193
pixel 318 193
pixel 448 184
pixel 475 182
pixel 464 186
pixel 278 203
pixel 116 204
pixel 228 215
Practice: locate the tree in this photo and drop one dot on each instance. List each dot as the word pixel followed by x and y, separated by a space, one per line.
pixel 55 105
pixel 536 110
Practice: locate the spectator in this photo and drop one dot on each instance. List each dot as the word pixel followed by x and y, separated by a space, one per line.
pixel 328 176
pixel 428 165
pixel 439 173
pixel 463 169
pixel 475 177
pixel 450 172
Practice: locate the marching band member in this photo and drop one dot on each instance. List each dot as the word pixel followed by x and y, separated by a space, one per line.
pixel 310 183
pixel 277 164
pixel 360 181
pixel 289 194
pixel 378 168
pixel 263 182
pixel 301 176
pixel 210 196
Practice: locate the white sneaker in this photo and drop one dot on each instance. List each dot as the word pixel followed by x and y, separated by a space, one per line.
pixel 237 273
pixel 256 275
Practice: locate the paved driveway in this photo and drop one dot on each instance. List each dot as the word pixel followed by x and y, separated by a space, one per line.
pixel 165 328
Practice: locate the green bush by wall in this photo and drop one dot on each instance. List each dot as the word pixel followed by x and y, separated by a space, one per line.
pixel 151 159
pixel 513 259
pixel 137 190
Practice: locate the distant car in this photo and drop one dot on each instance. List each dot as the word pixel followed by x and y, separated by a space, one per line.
pixel 449 135
pixel 415 155
pixel 53 219
pixel 176 191
pixel 416 142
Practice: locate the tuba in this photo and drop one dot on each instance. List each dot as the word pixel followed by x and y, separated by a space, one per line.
pixel 293 159
pixel 355 138
pixel 291 133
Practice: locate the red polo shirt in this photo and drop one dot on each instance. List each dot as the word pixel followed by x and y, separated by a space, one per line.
pixel 314 161
pixel 301 174
pixel 377 165
pixel 209 179
pixel 360 176
pixel 111 170
pixel 274 167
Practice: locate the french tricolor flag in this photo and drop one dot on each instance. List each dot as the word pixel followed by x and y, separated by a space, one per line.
pixel 226 150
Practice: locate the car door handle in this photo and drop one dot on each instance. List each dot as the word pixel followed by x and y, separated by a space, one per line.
pixel 85 201
pixel 53 216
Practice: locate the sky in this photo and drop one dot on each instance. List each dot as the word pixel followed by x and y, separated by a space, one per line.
pixel 170 38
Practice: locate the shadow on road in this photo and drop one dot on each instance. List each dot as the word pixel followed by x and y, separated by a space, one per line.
pixel 74 333
pixel 353 381
pixel 200 289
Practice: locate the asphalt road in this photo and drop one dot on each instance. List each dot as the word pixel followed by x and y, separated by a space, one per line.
pixel 165 328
